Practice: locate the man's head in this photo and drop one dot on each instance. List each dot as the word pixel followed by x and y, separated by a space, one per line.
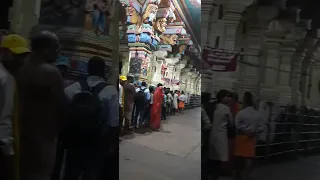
pixel 144 84
pixel 130 78
pixel 13 52
pixel 122 79
pixel 46 45
pixel 159 85
pixel 97 67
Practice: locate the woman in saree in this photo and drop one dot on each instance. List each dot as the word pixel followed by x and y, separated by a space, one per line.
pixel 155 120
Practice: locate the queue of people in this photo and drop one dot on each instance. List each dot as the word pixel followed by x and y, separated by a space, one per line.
pixel 51 128
pixel 141 106
pixel 229 135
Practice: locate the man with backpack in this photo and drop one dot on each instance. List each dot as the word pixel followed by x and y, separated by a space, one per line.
pixel 93 116
pixel 142 100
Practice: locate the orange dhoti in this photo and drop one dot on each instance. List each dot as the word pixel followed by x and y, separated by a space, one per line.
pixel 181 104
pixel 245 146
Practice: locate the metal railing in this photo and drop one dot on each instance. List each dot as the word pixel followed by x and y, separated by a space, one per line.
pixel 194 101
pixel 289 136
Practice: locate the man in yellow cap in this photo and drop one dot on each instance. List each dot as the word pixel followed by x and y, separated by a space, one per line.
pixel 13 52
pixel 122 80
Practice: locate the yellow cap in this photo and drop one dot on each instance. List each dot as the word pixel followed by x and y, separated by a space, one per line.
pixel 16 43
pixel 123 78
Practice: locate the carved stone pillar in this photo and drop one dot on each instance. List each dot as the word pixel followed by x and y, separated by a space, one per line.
pixel 156 76
pixel 249 65
pixel 125 63
pixel 295 78
pixel 315 84
pixel 80 39
pixel 284 70
pixel 270 70
pixel 28 16
pixel 207 82
pixel 183 83
pixel 227 80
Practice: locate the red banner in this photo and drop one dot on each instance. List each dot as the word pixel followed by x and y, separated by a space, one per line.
pixel 220 59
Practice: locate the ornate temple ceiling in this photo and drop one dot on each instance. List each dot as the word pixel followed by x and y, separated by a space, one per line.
pixel 190 13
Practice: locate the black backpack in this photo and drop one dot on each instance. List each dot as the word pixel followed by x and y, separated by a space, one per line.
pixel 140 97
pixel 86 125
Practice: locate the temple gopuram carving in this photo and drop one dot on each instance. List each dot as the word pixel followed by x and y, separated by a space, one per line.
pixel 154 38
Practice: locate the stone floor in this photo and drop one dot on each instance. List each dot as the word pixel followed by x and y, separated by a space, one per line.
pixel 171 154
pixel 307 168
pixel 174 154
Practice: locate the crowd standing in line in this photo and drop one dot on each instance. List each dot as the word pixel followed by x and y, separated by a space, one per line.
pixel 46 118
pixel 229 135
pixel 144 107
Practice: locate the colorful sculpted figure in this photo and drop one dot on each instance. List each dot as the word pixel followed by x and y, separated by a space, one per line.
pixel 150 13
pixel 160 25
pixel 133 16
pixel 169 39
pixel 96 17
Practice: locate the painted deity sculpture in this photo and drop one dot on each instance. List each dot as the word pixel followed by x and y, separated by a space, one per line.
pixel 133 16
pixel 160 25
pixel 169 39
pixel 149 14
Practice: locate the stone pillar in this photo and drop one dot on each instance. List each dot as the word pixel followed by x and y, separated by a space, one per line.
pixel 80 40
pixel 183 83
pixel 125 63
pixel 249 68
pixel 295 78
pixel 314 90
pixel 284 70
pixel 156 76
pixel 25 15
pixel 304 80
pixel 270 70
pixel 139 64
pixel 227 80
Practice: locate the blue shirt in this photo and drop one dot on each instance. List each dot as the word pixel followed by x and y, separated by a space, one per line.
pixel 146 92
pixel 109 97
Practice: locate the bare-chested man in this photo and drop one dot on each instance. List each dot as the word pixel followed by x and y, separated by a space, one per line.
pixel 41 103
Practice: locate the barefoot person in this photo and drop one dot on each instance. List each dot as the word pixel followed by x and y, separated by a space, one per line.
pixel 41 103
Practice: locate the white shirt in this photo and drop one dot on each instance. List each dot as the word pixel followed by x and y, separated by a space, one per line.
pixel 7 89
pixel 109 96
pixel 183 98
pixel 249 120
pixel 120 95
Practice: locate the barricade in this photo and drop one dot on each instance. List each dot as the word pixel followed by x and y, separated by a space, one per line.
pixel 194 101
pixel 293 135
